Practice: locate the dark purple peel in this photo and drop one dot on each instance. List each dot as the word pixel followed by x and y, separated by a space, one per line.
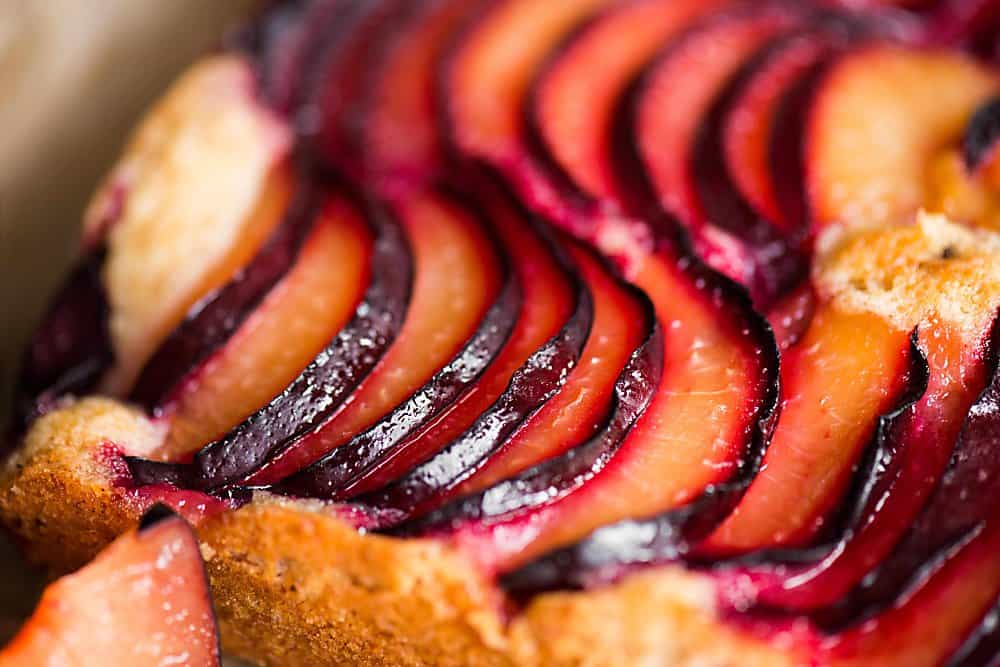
pixel 534 383
pixel 319 391
pixel 613 551
pixel 71 349
pixel 557 477
pixel 959 508
pixel 283 40
pixel 211 322
pixel 981 647
pixel 332 476
pixel 981 135
pixel 777 264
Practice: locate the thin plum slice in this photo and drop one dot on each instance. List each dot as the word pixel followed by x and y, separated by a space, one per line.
pixel 537 381
pixel 890 487
pixel 401 132
pixel 292 324
pixel 576 95
pixel 548 298
pixel 560 446
pixel 958 488
pixel 877 121
pixel 623 321
pixel 487 85
pixel 460 314
pixel 697 442
pixel 847 364
pixel 677 93
pixel 320 389
pixel 340 79
pixel 943 579
pixel 751 123
pixel 144 601
pixel 212 321
pixel 283 40
pixel 71 349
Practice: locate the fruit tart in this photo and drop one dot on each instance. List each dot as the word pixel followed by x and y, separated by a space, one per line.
pixel 506 332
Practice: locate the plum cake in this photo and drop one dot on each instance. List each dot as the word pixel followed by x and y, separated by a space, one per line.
pixel 575 332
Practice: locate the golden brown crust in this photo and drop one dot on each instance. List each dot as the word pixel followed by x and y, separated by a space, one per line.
pixel 294 585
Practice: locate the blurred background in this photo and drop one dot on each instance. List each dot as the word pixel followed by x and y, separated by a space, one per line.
pixel 75 75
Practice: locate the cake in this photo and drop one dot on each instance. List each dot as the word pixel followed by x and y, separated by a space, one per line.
pixel 582 332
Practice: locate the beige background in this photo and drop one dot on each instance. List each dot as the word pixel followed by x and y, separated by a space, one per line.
pixel 74 76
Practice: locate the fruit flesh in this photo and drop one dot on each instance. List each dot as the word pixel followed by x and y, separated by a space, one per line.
pixel 577 411
pixel 846 364
pixel 457 277
pixel 576 95
pixel 404 145
pixel 319 390
pixel 750 124
pixel 547 302
pixel 920 442
pixel 697 427
pixel 143 601
pixel 308 306
pixel 897 127
pixel 211 321
pixel 697 74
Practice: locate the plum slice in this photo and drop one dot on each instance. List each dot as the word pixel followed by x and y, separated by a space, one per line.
pixel 339 81
pixel 486 85
pixel 575 96
pixel 549 297
pixel 693 446
pixel 679 109
pixel 462 309
pixel 890 488
pixel 401 134
pixel 213 319
pixel 625 366
pixel 883 102
pixel 71 348
pixel 751 123
pixel 846 364
pixel 292 324
pixel 967 474
pixel 143 601
pixel 320 389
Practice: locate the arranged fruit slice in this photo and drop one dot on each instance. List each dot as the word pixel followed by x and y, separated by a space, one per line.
pixel 487 83
pixel 71 349
pixel 320 389
pixel 283 42
pixel 575 97
pixel 212 321
pixel 703 428
pixel 946 565
pixel 143 601
pixel 573 414
pixel 890 489
pixel 549 298
pixel 292 324
pixel 401 134
pixel 674 140
pixel 751 123
pixel 340 79
pixel 199 189
pixel 846 364
pixel 877 122
pixel 458 272
pixel 623 322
